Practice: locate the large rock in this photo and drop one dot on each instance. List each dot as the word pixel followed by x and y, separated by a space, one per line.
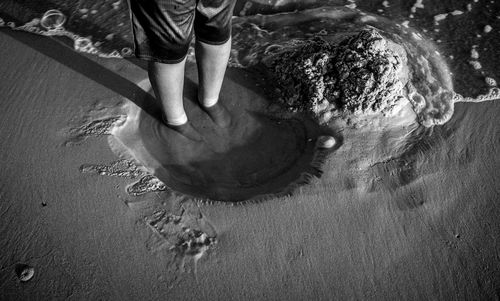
pixel 363 74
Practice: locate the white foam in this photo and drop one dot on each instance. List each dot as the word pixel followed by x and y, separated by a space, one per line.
pixel 476 65
pixel 474 54
pixel 440 17
pixel 490 81
pixel 417 4
pixel 493 94
pixel 52 24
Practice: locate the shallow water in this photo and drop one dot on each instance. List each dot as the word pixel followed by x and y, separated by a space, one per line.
pixel 257 37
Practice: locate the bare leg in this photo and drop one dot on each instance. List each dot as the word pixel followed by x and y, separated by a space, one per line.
pixel 212 63
pixel 168 83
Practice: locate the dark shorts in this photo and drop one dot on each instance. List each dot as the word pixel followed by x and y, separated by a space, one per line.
pixel 163 29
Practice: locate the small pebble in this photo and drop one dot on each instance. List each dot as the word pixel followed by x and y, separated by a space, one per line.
pixel 326 142
pixel 24 272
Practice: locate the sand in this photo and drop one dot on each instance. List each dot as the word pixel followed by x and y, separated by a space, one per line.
pixel 385 219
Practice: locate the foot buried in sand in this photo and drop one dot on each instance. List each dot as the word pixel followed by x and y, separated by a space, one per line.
pixel 186 130
pixel 219 114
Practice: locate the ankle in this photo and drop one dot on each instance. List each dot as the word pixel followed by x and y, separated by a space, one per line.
pixel 175 120
pixel 208 102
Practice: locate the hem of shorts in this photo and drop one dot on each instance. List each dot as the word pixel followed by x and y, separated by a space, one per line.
pixel 216 43
pixel 159 60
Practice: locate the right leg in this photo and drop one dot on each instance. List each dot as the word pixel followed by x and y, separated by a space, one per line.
pixel 168 84
pixel 212 26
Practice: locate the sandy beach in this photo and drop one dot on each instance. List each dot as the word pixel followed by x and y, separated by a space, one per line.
pixel 362 223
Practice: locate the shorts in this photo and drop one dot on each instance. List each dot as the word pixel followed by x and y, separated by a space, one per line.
pixel 163 29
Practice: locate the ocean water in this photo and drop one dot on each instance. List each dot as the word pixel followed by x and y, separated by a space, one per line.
pixel 457 39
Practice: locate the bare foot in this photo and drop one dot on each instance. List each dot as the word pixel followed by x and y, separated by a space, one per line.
pixel 186 130
pixel 219 114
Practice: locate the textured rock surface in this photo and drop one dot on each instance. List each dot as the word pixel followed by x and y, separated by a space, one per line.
pixel 363 74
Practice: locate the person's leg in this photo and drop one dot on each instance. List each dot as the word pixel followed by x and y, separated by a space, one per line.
pixel 212 63
pixel 168 83
pixel 212 26
pixel 163 31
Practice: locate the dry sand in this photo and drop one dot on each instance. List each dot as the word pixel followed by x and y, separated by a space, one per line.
pixel 423 225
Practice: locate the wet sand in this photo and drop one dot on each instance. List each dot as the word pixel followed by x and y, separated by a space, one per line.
pixel 422 226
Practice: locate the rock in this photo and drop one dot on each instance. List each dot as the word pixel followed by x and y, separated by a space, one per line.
pixel 363 74
pixel 325 142
pixel 369 71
